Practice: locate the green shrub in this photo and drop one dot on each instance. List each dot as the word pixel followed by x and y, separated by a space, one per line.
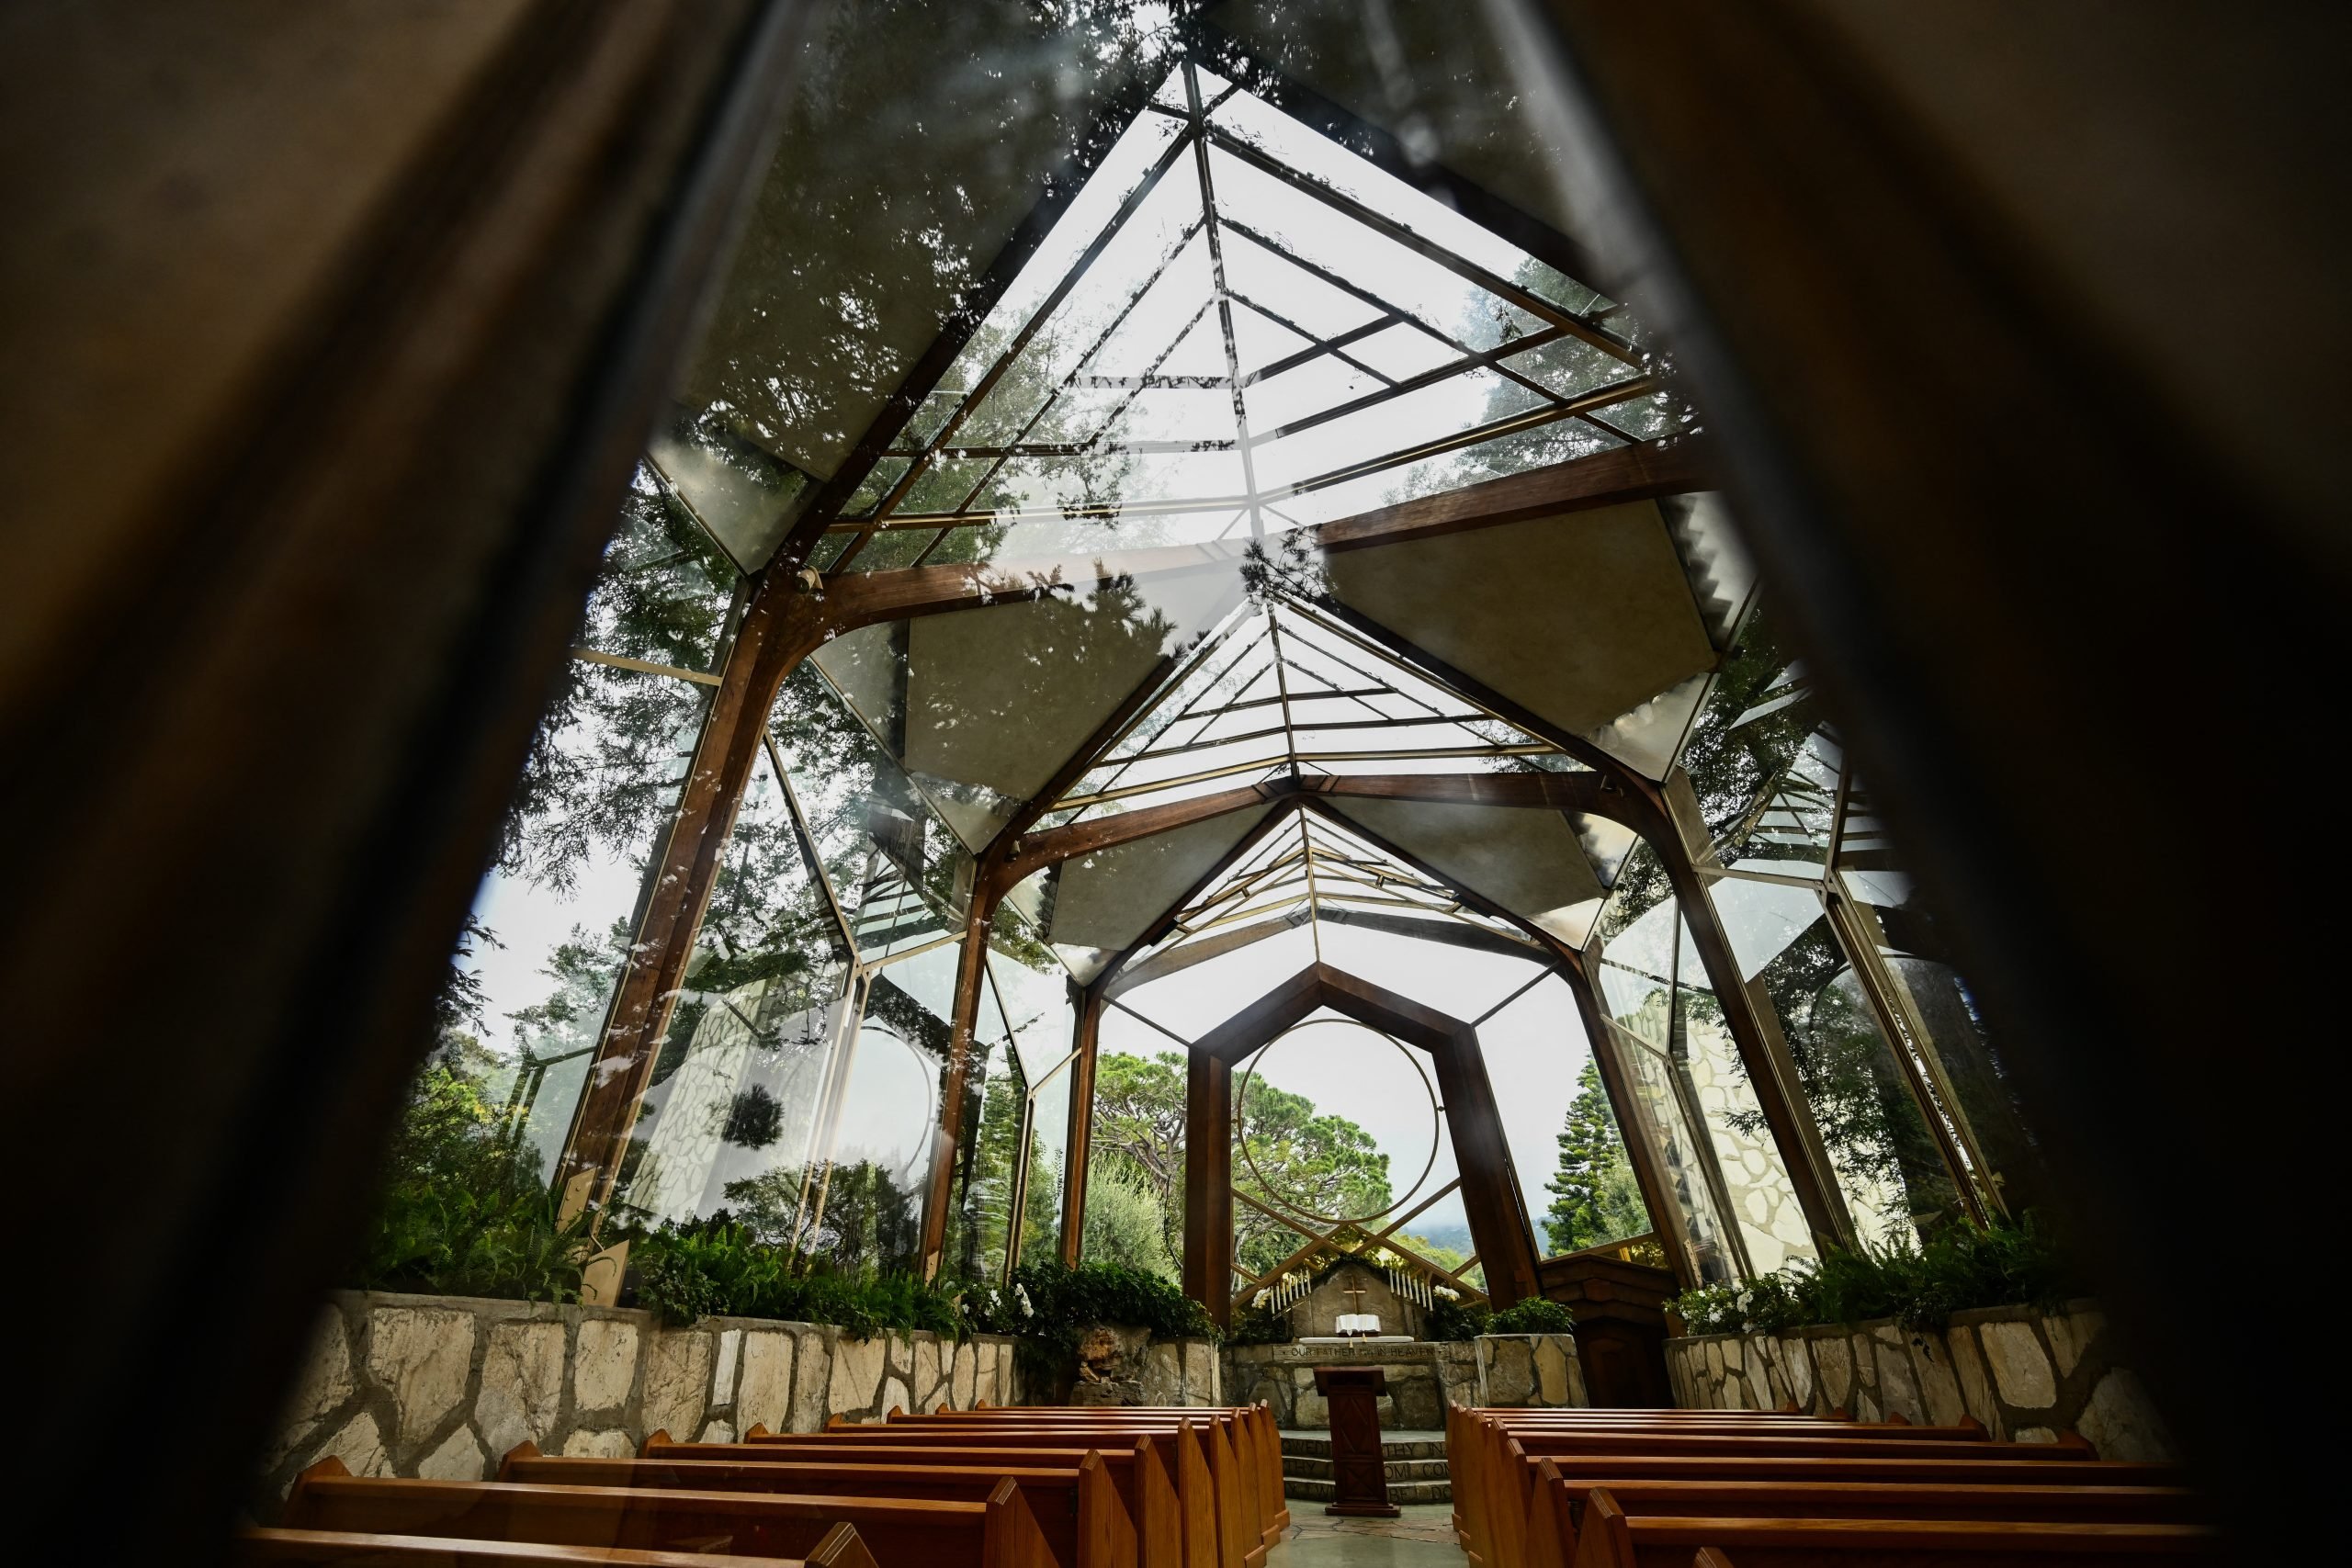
pixel 717 1267
pixel 1534 1315
pixel 1961 1266
pixel 1450 1319
pixel 464 1210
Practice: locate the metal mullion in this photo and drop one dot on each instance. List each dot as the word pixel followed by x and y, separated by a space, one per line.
pixel 1290 326
pixel 1224 301
pixel 1348 285
pixel 1532 419
pixel 814 862
pixel 1152 446
pixel 1356 639
pixel 1483 359
pixel 1173 344
pixel 1190 928
pixel 1061 290
pixel 1316 623
pixel 1322 345
pixel 1167 260
pixel 908 521
pixel 1541 976
pixel 1190 745
pixel 1173 685
pixel 1153 383
pixel 1526 299
pixel 1099 796
pixel 1536 749
pixel 1114 1001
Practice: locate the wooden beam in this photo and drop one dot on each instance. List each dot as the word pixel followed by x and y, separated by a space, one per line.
pixel 1090 1003
pixel 1208 1184
pixel 1634 1130
pixel 856 599
pixel 1588 792
pixel 779 628
pixel 330 335
pixel 1607 479
pixel 971 970
pixel 1499 1227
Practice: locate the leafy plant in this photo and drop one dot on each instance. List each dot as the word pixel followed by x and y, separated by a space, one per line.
pixel 1961 1266
pixel 1047 1307
pixel 464 1210
pixel 719 1268
pixel 1449 1318
pixel 1534 1315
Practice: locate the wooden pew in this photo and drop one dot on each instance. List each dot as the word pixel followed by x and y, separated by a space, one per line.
pixel 1142 1474
pixel 1557 1510
pixel 838 1549
pixel 1257 1438
pixel 1078 1506
pixel 1612 1539
pixel 1495 1449
pixel 1001 1532
pixel 1186 1445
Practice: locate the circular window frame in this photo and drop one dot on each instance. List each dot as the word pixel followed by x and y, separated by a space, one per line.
pixel 1284 1200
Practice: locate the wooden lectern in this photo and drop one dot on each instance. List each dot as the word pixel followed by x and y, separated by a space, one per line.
pixel 1359 1471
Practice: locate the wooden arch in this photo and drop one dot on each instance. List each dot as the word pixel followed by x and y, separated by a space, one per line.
pixel 1499 1227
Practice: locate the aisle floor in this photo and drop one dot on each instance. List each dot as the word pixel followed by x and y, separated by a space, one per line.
pixel 1422 1535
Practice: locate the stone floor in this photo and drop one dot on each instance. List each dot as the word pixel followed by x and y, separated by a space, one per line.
pixel 1422 1535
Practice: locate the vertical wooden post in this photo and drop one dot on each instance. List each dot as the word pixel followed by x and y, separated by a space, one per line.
pixel 780 627
pixel 1081 1122
pixel 971 971
pixel 1208 1184
pixel 1497 1217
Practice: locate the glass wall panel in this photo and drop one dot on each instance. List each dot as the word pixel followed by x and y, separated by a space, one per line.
pixel 886 1122
pixel 1880 1146
pixel 665 589
pixel 729 1119
pixel 1041 1192
pixel 980 1215
pixel 555 914
pixel 1563 1134
pixel 901 877
pixel 1661 1111
pixel 1035 991
pixel 1763 1201
pixel 1135 1159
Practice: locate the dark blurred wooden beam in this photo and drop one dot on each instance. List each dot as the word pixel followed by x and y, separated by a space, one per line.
pixel 333 331
pixel 2032 525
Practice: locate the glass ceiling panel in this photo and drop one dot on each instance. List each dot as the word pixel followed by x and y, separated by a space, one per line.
pixel 1280 687
pixel 1358 334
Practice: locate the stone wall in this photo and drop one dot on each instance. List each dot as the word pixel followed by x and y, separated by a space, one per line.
pixel 1528 1371
pixel 1120 1366
pixel 443 1386
pixel 2025 1376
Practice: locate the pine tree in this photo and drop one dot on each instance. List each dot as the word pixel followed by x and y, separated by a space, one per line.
pixel 1590 1155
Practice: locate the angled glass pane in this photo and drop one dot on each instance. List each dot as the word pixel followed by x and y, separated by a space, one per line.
pixel 1048 1167
pixel 729 1119
pixel 1135 1162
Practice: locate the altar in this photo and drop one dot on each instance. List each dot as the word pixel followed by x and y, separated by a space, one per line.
pixel 1354 1318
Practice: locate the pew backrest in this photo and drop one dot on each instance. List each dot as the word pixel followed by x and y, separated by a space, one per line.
pixel 838 1549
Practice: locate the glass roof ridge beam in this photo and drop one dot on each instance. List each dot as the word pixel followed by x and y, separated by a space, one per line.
pixel 1224 301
